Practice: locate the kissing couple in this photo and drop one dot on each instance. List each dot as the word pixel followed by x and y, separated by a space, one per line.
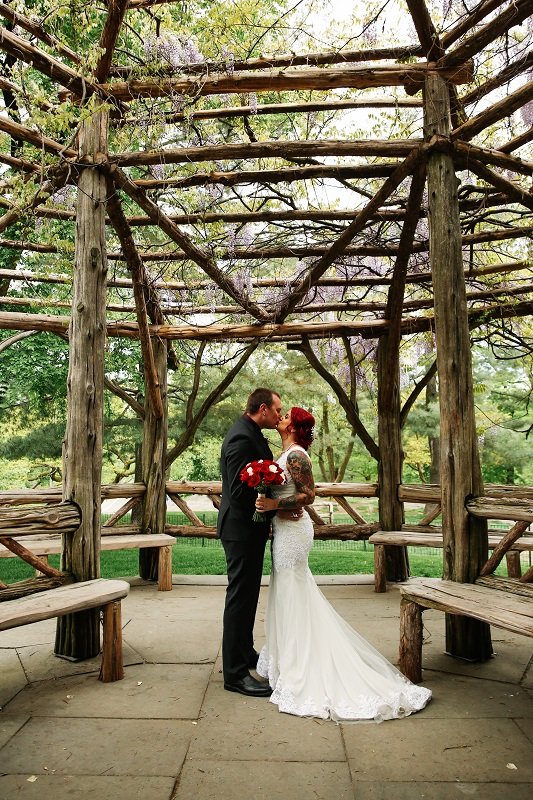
pixel 313 663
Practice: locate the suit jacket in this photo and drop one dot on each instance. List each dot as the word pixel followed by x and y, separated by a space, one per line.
pixel 244 442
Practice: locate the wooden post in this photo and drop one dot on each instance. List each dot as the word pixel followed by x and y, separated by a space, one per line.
pixel 391 515
pixel 154 473
pixel 411 632
pixel 112 667
pixel 78 635
pixel 465 537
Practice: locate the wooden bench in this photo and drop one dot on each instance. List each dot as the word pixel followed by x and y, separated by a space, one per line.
pixel 407 538
pixel 50 544
pixel 98 593
pixel 503 602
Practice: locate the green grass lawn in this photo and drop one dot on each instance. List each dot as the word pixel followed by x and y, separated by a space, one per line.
pixel 191 558
pixel 206 557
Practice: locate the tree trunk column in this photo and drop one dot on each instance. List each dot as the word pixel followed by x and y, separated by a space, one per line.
pixel 391 513
pixel 154 473
pixel 78 635
pixel 465 538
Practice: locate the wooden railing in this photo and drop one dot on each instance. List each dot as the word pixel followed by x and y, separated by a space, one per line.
pixel 324 529
pixel 26 524
pixel 513 503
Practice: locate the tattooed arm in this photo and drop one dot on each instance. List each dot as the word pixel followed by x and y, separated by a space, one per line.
pixel 299 466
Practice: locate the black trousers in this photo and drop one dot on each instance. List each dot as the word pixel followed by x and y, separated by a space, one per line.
pixel 245 568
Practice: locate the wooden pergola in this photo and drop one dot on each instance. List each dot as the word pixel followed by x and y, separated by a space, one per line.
pixel 430 206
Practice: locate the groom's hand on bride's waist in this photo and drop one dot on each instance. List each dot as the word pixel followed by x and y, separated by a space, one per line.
pixel 295 513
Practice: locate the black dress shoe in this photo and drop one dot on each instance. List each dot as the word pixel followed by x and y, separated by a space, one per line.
pixel 249 686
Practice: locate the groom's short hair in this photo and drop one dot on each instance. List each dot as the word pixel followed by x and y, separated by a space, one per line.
pixel 258 397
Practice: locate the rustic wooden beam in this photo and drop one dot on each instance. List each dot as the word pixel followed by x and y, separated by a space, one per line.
pixel 78 635
pixel 465 539
pixel 497 157
pixel 139 280
pixel 53 179
pixel 58 72
pixel 501 549
pixel 302 286
pixel 24 134
pixel 257 254
pixel 272 331
pixel 228 112
pixel 489 198
pixel 514 14
pixel 426 32
pixel 515 193
pixel 501 508
pixel 116 11
pixel 19 163
pixel 62 518
pixel 517 141
pixel 315 59
pixel 521 64
pixel 267 176
pixel 496 112
pixel 468 21
pixel 411 278
pixel 38 32
pixel 289 79
pixel 6 85
pixel 206 262
pixel 391 514
pixel 346 305
pixel 152 509
pixel 397 148
pixel 29 557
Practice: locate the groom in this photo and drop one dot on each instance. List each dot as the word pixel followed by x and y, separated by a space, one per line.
pixel 244 540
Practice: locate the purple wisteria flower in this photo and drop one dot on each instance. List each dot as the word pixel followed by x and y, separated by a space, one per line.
pixel 252 102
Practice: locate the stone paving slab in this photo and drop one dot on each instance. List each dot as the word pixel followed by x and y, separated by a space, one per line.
pixel 10 725
pixel 158 691
pixel 169 731
pixel 526 726
pixel 37 633
pixel 423 749
pixel 465 697
pixel 90 787
pixel 237 727
pixel 170 641
pixel 13 677
pixel 441 791
pixel 513 653
pixel 154 748
pixel 255 780
pixel 41 664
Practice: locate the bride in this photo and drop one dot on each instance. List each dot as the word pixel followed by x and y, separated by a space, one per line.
pixel 316 664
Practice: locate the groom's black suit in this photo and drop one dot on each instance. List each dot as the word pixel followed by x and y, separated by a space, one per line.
pixel 244 544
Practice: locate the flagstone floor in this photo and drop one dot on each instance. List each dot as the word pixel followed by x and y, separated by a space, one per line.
pixel 169 731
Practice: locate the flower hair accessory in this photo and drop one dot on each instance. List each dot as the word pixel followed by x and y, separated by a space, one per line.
pixel 260 475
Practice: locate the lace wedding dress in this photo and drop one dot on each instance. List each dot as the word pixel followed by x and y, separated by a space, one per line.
pixel 317 665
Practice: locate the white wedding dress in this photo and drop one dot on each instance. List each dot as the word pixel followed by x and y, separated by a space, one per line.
pixel 317 665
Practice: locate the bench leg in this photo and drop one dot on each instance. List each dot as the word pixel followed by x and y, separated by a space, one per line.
pixel 410 660
pixel 164 570
pixel 514 567
pixel 380 570
pixel 112 668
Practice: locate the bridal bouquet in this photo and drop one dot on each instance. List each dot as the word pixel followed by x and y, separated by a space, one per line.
pixel 260 475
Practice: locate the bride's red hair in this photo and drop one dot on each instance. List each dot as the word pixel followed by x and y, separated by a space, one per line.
pixel 304 426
